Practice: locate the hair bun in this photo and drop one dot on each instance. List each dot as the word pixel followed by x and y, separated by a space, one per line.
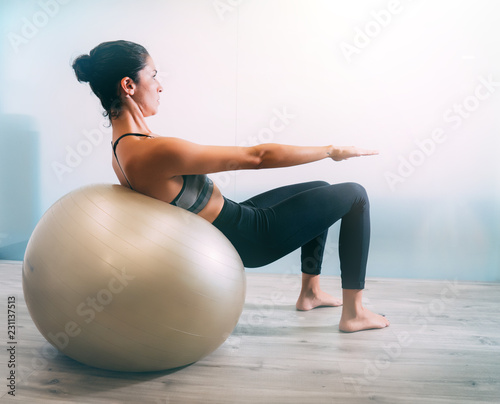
pixel 82 68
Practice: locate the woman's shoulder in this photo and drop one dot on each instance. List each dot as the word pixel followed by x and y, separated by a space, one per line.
pixel 161 149
pixel 149 139
pixel 170 143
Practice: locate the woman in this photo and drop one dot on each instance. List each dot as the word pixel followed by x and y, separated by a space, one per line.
pixel 262 229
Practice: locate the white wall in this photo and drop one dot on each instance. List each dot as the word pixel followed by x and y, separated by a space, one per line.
pixel 407 77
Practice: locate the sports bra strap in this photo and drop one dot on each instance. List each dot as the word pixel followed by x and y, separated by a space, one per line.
pixel 116 157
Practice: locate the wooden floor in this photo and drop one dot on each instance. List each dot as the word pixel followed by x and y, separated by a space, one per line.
pixel 443 346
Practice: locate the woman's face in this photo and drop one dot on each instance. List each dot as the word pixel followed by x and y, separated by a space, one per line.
pixel 148 89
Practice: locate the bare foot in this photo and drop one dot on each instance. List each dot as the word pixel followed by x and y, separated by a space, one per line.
pixel 310 300
pixel 363 319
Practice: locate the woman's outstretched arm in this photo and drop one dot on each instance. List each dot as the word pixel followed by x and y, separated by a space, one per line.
pixel 174 156
pixel 278 155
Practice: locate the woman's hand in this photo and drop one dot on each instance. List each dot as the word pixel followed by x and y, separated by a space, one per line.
pixel 343 153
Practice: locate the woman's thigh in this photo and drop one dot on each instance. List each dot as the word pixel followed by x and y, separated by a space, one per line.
pixel 264 235
pixel 277 195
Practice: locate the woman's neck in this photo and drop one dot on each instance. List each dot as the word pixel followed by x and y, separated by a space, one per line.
pixel 129 122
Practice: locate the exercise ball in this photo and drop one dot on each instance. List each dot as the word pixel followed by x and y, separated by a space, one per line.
pixel 121 281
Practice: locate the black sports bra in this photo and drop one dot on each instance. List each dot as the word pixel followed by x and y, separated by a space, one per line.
pixel 196 189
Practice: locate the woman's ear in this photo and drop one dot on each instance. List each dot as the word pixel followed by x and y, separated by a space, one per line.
pixel 127 85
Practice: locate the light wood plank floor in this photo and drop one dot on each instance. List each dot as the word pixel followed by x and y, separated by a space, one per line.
pixel 443 346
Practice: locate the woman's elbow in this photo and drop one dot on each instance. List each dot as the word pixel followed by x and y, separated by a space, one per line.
pixel 256 158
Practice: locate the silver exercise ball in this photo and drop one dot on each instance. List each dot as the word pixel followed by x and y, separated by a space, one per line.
pixel 121 281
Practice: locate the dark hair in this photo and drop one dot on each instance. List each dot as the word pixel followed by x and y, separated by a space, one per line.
pixel 105 66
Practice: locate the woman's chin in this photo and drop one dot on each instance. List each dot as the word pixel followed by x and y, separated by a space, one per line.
pixel 151 113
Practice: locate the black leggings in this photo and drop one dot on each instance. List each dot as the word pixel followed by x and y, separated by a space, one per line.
pixel 271 225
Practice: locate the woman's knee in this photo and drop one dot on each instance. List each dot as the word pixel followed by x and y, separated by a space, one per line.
pixel 358 193
pixel 356 188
